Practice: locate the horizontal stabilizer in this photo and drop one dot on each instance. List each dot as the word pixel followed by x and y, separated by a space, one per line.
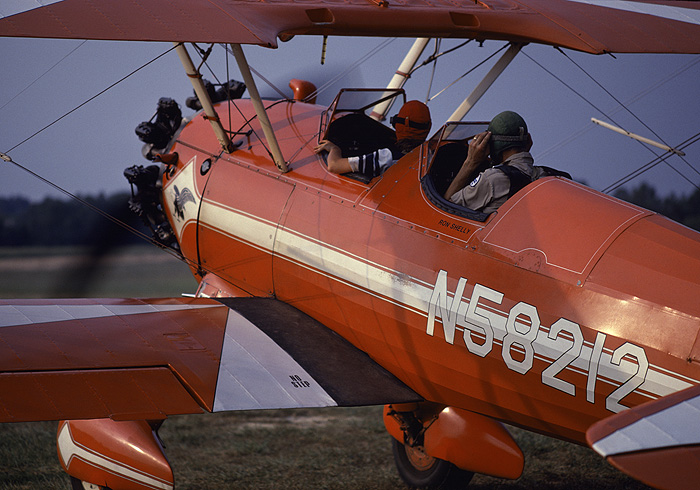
pixel 657 442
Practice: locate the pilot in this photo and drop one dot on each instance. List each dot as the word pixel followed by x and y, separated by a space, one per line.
pixel 511 167
pixel 412 125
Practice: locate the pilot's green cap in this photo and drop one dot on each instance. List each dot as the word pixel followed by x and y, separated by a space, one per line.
pixel 508 130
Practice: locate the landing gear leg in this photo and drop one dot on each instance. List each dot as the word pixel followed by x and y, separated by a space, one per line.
pixel 82 485
pixel 418 470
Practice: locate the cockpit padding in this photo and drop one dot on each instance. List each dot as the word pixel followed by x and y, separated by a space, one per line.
pixel 358 134
pixel 446 163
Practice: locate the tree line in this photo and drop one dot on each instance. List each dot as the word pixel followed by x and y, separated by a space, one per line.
pixel 683 209
pixel 59 222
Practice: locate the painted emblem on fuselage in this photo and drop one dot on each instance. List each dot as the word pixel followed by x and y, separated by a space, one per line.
pixel 182 198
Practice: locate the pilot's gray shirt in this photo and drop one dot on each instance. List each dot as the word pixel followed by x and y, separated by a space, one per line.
pixel 490 188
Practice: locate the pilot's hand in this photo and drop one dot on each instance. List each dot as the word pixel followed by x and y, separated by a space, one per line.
pixel 326 145
pixel 477 156
pixel 478 150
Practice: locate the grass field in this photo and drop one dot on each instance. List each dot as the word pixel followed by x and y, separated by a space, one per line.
pixel 137 271
pixel 279 449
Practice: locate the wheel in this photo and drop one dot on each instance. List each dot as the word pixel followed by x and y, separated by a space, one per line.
pixel 418 470
pixel 83 485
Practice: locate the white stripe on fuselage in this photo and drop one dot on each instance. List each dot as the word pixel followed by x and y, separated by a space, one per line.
pixel 680 14
pixel 400 289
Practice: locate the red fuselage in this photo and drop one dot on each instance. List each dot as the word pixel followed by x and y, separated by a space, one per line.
pixel 560 309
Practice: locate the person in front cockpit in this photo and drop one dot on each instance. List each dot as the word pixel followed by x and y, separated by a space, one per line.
pixel 412 125
pixel 511 167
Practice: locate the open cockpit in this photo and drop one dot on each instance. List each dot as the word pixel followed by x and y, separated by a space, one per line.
pixel 347 124
pixel 447 150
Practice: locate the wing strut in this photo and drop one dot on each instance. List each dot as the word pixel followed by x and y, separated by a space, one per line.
pixel 637 137
pixel 401 76
pixel 486 83
pixel 198 85
pixel 259 107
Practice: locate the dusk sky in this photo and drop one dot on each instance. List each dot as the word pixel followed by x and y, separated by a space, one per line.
pixel 87 151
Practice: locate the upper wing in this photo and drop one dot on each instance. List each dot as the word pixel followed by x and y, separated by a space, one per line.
pixel 657 442
pixel 146 359
pixel 594 26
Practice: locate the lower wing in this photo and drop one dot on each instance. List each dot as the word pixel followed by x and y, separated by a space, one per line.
pixel 132 359
pixel 657 442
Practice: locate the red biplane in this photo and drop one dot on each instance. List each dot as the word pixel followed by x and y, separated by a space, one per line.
pixel 566 312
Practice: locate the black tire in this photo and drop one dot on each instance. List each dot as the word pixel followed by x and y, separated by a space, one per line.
pixel 418 470
pixel 78 485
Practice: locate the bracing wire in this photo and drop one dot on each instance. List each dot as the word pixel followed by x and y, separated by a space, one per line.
pixel 577 93
pixel 659 159
pixel 432 58
pixel 8 159
pixel 624 107
pixel 85 203
pixel 469 71
pixel 139 234
pixel 435 57
pixel 231 102
pixel 268 82
pixel 43 74
pixel 247 121
pixel 89 100
pixel 607 115
pixel 353 66
pixel 272 85
pixel 632 100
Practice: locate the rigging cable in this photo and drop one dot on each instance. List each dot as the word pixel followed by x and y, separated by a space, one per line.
pixel 5 157
pixel 231 102
pixel 353 66
pixel 606 115
pixel 43 74
pixel 272 85
pixel 94 208
pixel 246 120
pixel 637 97
pixel 371 53
pixel 659 159
pixel 470 71
pixel 8 159
pixel 89 100
pixel 268 82
pixel 624 107
pixel 109 217
pixel 632 100
pixel 434 56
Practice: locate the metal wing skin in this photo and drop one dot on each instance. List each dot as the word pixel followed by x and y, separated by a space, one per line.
pixel 594 26
pixel 657 443
pixel 147 359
